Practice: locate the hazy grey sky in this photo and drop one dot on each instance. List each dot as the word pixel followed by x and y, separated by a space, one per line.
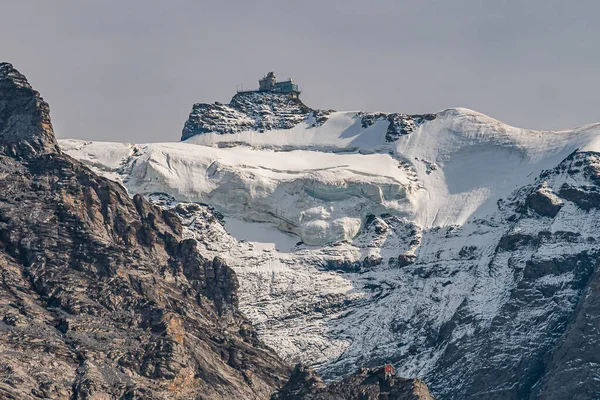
pixel 130 70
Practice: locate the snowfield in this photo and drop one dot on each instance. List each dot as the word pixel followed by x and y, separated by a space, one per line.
pixel 448 170
pixel 353 250
pixel 294 190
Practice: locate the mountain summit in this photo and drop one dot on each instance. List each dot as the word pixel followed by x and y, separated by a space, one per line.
pixel 277 106
pixel 257 111
pixel 25 127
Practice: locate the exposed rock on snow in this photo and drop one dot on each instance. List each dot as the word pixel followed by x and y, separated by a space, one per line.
pixel 398 124
pixel 258 111
pixel 544 202
pixel 586 197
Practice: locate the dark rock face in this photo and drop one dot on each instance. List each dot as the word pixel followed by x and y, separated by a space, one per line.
pixel 366 384
pixel 585 197
pixel 99 295
pixel 398 124
pixel 515 241
pixel 402 261
pixel 262 111
pixel 25 127
pixel 570 370
pixel 402 124
pixel 544 202
pixel 343 265
pixel 257 111
pixel 303 383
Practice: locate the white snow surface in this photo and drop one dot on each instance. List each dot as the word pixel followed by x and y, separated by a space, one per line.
pixel 320 182
pixel 295 190
pixel 296 204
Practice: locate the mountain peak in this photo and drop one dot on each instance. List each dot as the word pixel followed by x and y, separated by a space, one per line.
pixel 8 72
pixel 250 110
pixel 25 126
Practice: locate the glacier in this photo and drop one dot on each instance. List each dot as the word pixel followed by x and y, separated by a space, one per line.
pixel 451 245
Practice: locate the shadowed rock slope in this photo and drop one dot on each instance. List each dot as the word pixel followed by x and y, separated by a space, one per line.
pixel 100 297
pixel 366 384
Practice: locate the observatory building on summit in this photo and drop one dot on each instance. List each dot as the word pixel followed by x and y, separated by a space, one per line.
pixel 269 83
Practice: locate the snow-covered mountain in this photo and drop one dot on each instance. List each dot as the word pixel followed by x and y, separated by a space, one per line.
pixel 459 248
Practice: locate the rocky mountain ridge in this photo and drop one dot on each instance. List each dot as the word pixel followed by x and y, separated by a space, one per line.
pixel 25 127
pixel 249 111
pixel 263 111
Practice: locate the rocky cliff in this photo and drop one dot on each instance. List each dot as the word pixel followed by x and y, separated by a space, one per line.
pixel 366 384
pixel 263 111
pixel 257 111
pixel 25 127
pixel 100 296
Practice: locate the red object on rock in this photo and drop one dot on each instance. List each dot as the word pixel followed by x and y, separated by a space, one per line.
pixel 389 370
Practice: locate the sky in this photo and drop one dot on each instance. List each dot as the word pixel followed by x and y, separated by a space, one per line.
pixel 130 70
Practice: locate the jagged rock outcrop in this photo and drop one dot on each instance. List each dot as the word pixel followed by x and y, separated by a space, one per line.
pixel 262 111
pixel 100 296
pixel 255 111
pixel 25 127
pixel 544 202
pixel 366 384
pixel 398 124
pixel 304 382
